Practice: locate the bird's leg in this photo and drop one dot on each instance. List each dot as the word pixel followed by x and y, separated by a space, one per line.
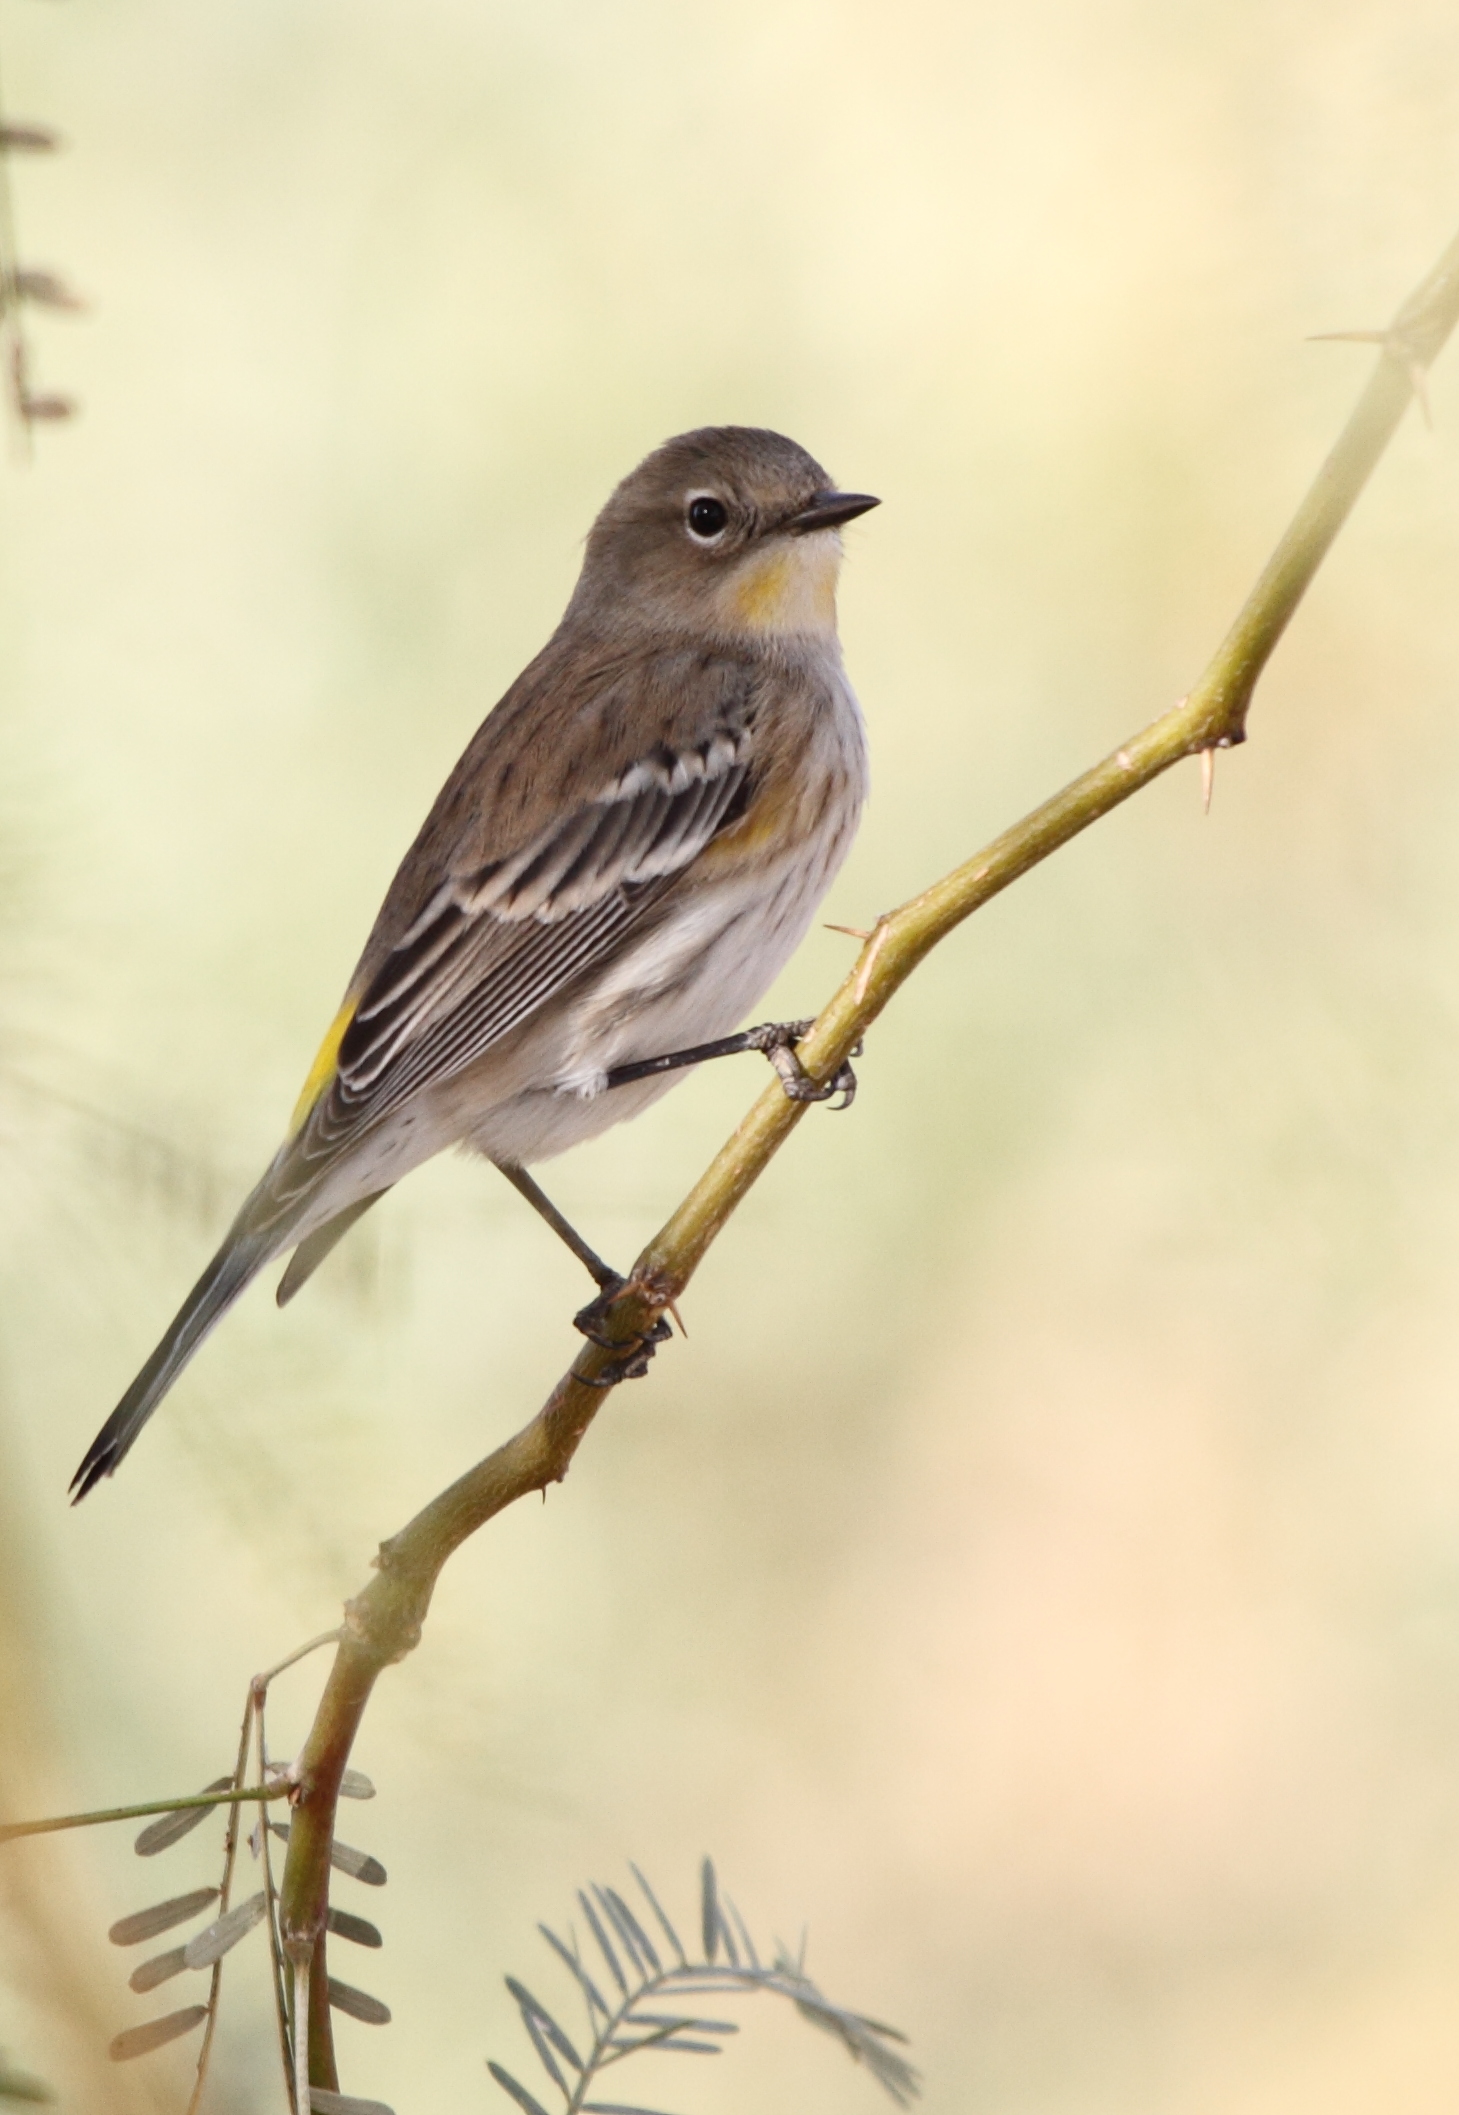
pixel 602 1274
pixel 775 1040
pixel 590 1319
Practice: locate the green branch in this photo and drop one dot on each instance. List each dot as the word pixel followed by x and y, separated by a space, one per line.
pixel 11 1829
pixel 383 1623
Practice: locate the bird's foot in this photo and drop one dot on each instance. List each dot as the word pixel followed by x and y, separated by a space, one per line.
pixel 777 1041
pixel 631 1362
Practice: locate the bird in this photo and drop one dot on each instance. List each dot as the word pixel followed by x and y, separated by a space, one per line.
pixel 628 852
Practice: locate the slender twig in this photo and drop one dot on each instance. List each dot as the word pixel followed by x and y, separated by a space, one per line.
pixel 277 1966
pixel 384 1621
pixel 268 1787
pixel 238 1796
pixel 230 1856
pixel 300 1652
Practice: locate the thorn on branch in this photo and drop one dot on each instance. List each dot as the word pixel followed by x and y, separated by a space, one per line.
pixel 1391 341
pixel 876 939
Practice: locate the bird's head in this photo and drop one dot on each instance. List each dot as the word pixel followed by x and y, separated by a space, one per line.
pixel 728 531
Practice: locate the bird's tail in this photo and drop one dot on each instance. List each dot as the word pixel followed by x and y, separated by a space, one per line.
pixel 244 1253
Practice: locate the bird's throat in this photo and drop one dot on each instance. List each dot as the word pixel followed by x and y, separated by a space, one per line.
pixel 790 587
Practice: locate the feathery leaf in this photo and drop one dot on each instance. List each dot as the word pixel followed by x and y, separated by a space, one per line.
pixel 138 2041
pixel 345 1858
pixel 347 1926
pixel 708 1909
pixel 741 1927
pixel 147 1923
pixel 633 1932
pixel 545 2056
pixel 519 2094
pixel 602 1938
pixel 615 2107
pixel 673 2022
pixel 358 2003
pixel 550 2027
pixel 636 1961
pixel 653 1902
pixel 224 1933
pixel 160 1969
pixel 170 1828
pixel 731 1968
pixel 570 1960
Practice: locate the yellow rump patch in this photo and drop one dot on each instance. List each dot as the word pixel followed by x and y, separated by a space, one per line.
pixel 322 1070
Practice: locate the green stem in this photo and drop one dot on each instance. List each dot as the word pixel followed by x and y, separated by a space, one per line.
pixel 48 1827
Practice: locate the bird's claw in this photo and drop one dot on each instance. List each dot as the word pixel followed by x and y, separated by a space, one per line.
pixel 800 1087
pixel 631 1364
pixel 777 1039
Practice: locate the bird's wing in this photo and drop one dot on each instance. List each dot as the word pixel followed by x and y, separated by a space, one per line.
pixel 491 946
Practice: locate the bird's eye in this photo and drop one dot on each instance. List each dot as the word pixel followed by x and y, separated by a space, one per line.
pixel 707 518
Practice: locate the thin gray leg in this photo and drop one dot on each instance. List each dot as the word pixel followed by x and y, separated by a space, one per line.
pixel 776 1040
pixel 602 1273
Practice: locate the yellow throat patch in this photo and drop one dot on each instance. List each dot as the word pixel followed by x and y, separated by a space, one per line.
pixel 791 587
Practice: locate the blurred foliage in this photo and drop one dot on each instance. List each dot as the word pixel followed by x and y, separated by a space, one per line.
pixel 640 1972
pixel 19 2085
pixel 1074 1531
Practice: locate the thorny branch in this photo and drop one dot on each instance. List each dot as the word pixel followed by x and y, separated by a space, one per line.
pixel 383 1622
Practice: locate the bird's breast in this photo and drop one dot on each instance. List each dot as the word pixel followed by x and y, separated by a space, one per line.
pixel 808 776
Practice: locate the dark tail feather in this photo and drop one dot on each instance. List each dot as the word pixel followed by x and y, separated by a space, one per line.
pixel 239 1260
pixel 313 1249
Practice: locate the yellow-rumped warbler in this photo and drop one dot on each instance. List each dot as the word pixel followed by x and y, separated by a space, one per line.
pixel 628 852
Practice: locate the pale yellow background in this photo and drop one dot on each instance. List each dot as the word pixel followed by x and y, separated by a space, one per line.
pixel 1039 1572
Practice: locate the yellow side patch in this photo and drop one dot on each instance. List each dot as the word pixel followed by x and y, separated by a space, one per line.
pixel 322 1070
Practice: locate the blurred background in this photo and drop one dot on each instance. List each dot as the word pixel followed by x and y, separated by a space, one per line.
pixel 1038 1574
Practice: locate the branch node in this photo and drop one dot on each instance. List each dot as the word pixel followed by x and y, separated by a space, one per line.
pixel 1399 345
pixel 874 945
pixel 389 1640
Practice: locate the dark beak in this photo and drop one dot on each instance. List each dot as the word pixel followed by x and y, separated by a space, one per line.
pixel 829 509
